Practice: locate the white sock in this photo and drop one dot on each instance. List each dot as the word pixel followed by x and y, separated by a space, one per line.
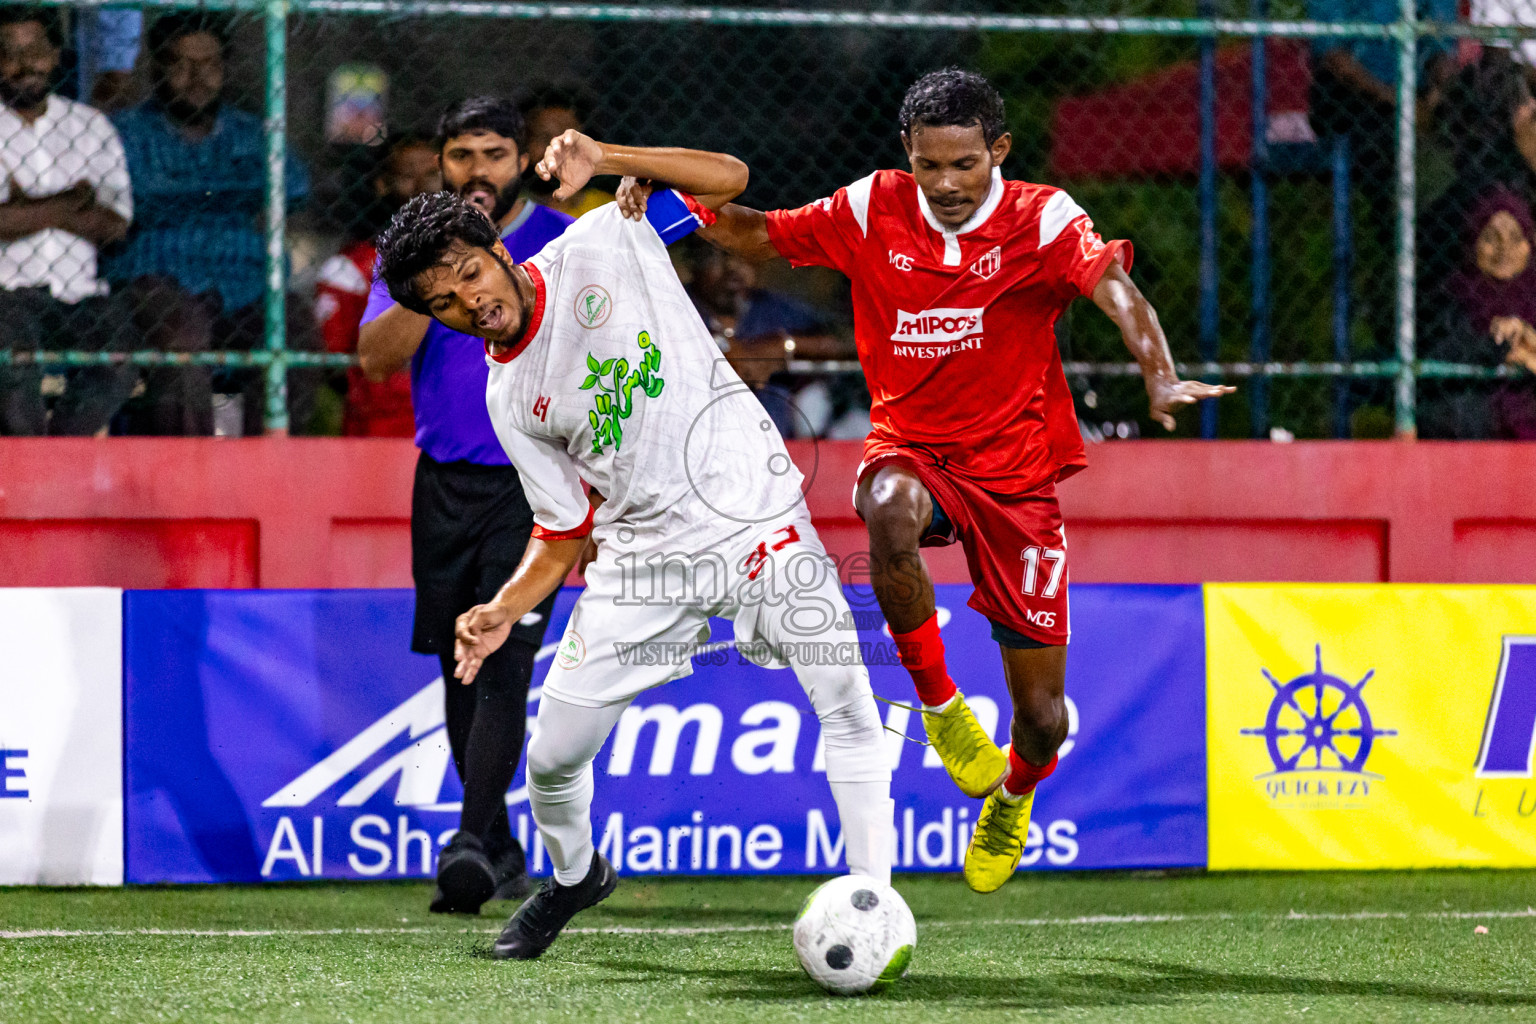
pixel 868 816
pixel 861 785
pixel 562 808
pixel 940 708
pixel 560 781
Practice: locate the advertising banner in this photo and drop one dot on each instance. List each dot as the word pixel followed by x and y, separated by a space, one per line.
pixel 61 782
pixel 285 735
pixel 1371 726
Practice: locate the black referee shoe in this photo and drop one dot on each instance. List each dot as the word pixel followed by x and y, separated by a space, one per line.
pixel 512 882
pixel 465 877
pixel 538 922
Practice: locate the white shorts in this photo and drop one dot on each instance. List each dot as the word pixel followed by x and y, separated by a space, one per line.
pixel 644 614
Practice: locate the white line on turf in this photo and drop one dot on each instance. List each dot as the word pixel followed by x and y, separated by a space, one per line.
pixel 1294 915
pixel 1025 922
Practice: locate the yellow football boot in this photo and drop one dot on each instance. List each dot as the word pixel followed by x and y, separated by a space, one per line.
pixel 969 755
pixel 998 842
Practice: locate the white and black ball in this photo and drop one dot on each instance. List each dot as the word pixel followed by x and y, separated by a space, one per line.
pixel 855 935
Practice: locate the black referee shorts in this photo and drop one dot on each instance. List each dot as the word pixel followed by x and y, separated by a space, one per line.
pixel 469 526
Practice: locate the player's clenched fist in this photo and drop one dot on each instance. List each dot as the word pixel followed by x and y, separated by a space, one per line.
pixel 477 634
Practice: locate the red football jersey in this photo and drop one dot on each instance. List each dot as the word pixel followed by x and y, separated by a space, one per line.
pixel 341 295
pixel 955 328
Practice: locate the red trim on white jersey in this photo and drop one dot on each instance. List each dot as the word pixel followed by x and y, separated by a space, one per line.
pixel 535 318
pixel 539 533
pixel 705 214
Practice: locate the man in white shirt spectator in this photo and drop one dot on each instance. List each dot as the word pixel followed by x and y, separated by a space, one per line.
pixel 65 191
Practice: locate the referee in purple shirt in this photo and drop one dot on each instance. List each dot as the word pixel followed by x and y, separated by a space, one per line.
pixel 469 518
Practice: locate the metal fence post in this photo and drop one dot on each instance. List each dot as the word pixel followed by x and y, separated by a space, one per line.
pixel 1343 275
pixel 276 127
pixel 1407 90
pixel 1259 348
pixel 1210 272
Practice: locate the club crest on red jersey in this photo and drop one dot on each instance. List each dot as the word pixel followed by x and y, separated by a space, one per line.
pixel 989 263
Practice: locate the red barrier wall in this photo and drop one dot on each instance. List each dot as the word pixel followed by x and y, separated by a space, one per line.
pixel 142 512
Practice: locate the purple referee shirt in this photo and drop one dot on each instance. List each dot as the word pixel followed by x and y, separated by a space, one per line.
pixel 448 372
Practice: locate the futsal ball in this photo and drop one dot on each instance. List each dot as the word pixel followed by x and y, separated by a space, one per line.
pixel 855 935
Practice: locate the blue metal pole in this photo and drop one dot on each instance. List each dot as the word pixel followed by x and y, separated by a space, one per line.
pixel 1210 280
pixel 1343 270
pixel 1259 185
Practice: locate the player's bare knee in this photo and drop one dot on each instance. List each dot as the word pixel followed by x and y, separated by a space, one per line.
pixel 896 509
pixel 893 526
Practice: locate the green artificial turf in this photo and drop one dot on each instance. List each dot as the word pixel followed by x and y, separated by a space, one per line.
pixel 1110 947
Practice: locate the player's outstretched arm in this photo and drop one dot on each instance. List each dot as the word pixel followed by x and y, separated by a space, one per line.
pixel 741 231
pixel 714 179
pixel 1117 295
pixel 480 632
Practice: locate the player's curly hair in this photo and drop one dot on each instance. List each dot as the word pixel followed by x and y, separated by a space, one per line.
pixel 953 96
pixel 419 238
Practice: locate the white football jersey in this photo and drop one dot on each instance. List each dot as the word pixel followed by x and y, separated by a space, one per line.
pixel 618 385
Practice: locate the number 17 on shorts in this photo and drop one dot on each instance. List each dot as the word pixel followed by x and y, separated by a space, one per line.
pixel 1045 571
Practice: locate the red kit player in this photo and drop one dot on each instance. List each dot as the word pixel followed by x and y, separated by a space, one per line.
pixel 958 277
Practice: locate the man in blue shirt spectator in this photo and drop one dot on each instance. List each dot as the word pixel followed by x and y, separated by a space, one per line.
pixel 195 257
pixel 469 518
pixel 1354 94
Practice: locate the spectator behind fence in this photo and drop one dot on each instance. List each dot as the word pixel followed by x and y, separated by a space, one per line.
pixel 65 192
pixel 195 259
pixel 374 409
pixel 1486 315
pixel 759 330
pixel 1488 121
pixel 548 112
pixel 1354 94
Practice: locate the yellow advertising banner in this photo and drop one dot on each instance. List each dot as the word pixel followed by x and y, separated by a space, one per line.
pixel 1371 726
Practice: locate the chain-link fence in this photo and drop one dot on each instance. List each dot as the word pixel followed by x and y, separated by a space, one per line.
pixel 1337 220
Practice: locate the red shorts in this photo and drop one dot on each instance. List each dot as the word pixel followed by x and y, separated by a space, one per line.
pixel 1014 545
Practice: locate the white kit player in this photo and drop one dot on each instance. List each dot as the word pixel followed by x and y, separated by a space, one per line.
pixel 602 376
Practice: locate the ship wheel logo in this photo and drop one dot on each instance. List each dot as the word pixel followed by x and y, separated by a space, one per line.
pixel 1318 722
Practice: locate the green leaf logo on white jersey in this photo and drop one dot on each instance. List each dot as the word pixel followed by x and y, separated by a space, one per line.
pixel 616 382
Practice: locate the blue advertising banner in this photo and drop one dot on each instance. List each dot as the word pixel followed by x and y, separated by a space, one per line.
pixel 278 735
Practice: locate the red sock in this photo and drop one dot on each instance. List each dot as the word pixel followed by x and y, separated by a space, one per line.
pixel 922 652
pixel 1023 776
